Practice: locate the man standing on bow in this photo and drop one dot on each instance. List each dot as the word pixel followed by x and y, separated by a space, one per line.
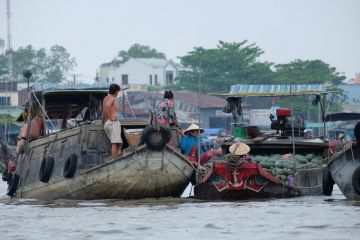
pixel 111 122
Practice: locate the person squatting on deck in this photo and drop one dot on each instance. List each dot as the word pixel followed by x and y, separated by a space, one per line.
pixel 239 153
pixel 165 110
pixel 111 122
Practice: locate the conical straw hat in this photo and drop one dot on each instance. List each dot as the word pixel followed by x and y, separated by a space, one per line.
pixel 239 148
pixel 194 127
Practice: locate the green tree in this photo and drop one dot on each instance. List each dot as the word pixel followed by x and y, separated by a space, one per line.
pixel 53 66
pixel 3 67
pixel 136 51
pixel 307 72
pixel 58 64
pixel 237 63
pixel 223 66
pixel 29 58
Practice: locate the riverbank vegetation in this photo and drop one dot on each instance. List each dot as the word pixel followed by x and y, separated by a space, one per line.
pixel 53 65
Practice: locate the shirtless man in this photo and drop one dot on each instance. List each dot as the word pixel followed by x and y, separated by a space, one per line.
pixel 111 122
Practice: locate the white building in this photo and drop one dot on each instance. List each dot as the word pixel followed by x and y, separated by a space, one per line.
pixel 149 71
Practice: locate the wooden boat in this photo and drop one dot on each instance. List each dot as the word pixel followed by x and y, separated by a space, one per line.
pixel 344 166
pixel 289 139
pixel 218 180
pixel 309 179
pixel 344 170
pixel 75 163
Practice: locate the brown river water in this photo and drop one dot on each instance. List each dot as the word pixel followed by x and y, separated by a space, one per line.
pixel 310 217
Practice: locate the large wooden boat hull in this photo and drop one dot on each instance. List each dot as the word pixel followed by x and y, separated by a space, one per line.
pixel 140 174
pixel 344 167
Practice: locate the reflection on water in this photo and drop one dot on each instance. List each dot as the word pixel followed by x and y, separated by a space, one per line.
pixel 315 217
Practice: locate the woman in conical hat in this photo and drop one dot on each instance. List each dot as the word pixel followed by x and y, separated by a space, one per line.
pixel 191 139
pixel 193 127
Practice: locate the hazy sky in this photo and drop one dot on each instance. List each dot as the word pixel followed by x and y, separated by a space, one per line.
pixel 94 31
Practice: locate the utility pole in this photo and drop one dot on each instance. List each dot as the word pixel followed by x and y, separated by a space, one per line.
pixel 9 44
pixel 10 67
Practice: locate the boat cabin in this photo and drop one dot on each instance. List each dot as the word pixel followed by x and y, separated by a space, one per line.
pixel 291 133
pixel 59 109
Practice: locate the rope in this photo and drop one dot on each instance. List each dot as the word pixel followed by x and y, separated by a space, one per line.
pixel 233 161
pixel 43 111
pixel 127 101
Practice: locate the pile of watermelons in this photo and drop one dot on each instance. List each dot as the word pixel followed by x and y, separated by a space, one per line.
pixel 282 167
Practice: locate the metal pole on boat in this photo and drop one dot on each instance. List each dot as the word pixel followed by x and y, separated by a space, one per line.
pixel 290 79
pixel 199 109
pixel 27 74
pixel 292 121
pixel 324 114
pixel 292 132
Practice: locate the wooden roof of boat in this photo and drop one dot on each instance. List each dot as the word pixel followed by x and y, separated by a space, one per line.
pixel 54 89
pixel 60 99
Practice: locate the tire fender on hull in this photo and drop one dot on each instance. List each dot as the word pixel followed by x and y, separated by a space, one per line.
pixel 155 138
pixel 46 168
pixel 327 182
pixel 356 180
pixel 70 166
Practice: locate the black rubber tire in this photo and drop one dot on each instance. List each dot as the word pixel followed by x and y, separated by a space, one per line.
pixel 356 180
pixel 357 132
pixel 70 166
pixel 155 139
pixel 12 185
pixel 327 182
pixel 46 168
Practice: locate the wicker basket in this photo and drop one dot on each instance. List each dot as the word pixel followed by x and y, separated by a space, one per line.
pixel 133 136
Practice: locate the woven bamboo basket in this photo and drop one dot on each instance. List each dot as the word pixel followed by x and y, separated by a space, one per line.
pixel 133 136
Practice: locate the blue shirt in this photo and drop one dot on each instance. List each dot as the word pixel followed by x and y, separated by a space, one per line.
pixel 189 141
